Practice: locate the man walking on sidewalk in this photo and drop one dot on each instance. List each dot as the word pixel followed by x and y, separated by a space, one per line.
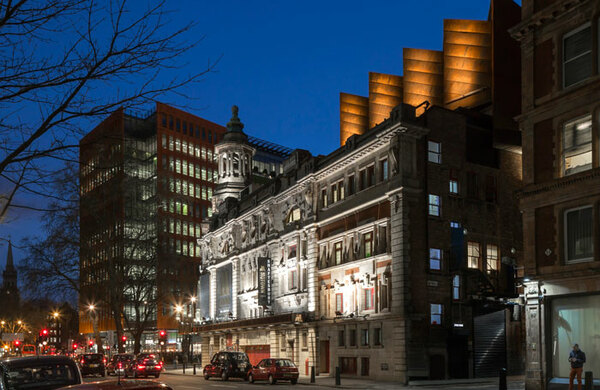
pixel 577 358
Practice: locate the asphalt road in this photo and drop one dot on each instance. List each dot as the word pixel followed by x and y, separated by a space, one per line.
pixel 178 382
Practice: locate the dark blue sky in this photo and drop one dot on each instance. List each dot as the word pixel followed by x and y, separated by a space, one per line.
pixel 285 62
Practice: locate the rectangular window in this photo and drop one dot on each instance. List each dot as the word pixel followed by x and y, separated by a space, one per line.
pixel 577 145
pixel 351 184
pixel 304 278
pixel 436 313
pixel 377 336
pixel 368 299
pixel 472 191
pixel 490 188
pixel 383 169
pixel 292 252
pixel 453 187
pixel 362 179
pixel 435 259
pixel 454 225
pixel 337 249
pixel 341 338
pixel 370 175
pixel 339 304
pixel 340 190
pixel 368 244
pixel 434 205
pixel 352 338
pixel 577 55
pixel 324 197
pixel 456 287
pixel 434 152
pixel 364 337
pixel 293 279
pixel 492 258
pixel 579 242
pixel 473 254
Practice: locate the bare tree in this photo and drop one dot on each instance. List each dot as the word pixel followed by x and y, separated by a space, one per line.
pixel 65 63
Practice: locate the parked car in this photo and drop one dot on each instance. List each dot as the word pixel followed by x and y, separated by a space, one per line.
pixel 118 362
pixel 274 370
pixel 122 384
pixel 227 365
pixel 92 363
pixel 143 367
pixel 38 372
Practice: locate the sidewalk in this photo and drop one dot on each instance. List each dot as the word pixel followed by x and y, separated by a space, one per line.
pixel 514 383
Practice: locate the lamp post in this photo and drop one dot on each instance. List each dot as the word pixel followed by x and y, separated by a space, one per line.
pixel 94 317
pixel 55 316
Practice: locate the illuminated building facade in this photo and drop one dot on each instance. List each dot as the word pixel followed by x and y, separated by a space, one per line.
pixel 559 201
pixel 146 184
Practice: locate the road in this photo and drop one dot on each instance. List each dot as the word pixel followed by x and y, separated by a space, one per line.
pixel 188 382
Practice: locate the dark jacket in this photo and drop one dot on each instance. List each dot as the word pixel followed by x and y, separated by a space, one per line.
pixel 580 356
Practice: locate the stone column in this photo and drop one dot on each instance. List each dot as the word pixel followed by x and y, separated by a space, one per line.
pixel 534 320
pixel 312 271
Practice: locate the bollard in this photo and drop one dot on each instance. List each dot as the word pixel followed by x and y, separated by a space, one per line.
pixel 589 380
pixel 337 376
pixel 194 368
pixel 312 374
pixel 184 368
pixel 502 379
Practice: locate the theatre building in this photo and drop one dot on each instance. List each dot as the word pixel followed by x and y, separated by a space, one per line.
pixel 561 185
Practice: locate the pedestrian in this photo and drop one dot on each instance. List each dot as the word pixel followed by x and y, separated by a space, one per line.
pixel 577 358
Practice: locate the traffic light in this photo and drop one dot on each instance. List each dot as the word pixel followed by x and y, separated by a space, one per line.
pixel 123 338
pixel 17 343
pixel 162 337
pixel 74 346
pixel 91 343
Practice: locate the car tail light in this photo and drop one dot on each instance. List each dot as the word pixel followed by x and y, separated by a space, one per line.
pixel 120 365
pixel 158 367
pixel 104 360
pixel 82 361
pixel 161 363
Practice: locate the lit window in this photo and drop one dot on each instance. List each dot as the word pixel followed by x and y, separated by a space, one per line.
pixel 293 215
pixel 339 304
pixel 577 55
pixel 435 259
pixel 578 226
pixel 436 313
pixel 491 258
pixel 324 197
pixel 456 287
pixel 293 280
pixel 334 193
pixel 453 186
pixel 454 225
pixel 434 205
pixel 340 190
pixel 577 145
pixel 368 298
pixel 368 242
pixel 473 254
pixel 434 150
pixel 337 249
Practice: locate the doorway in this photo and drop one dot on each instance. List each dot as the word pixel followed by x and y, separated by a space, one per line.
pixel 324 357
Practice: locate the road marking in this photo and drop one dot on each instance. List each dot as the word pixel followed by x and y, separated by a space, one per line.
pixel 186 387
pixel 227 386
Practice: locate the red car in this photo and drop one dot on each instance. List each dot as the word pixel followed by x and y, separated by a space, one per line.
pixel 274 370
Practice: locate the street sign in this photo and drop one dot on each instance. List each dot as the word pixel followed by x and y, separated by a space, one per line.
pixel 12 337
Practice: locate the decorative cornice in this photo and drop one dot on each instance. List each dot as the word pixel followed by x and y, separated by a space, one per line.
pixel 543 17
pixel 557 184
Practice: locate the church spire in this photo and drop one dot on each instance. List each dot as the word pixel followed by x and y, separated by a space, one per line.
pixel 10 266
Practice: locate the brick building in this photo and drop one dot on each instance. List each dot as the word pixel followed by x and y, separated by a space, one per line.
pixel 559 201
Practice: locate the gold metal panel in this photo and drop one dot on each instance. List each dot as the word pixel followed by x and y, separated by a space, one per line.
pixel 354 115
pixel 385 93
pixel 423 77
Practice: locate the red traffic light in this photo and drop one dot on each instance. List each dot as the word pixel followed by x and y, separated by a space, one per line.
pixel 91 342
pixel 124 338
pixel 44 332
pixel 74 346
pixel 17 343
pixel 162 333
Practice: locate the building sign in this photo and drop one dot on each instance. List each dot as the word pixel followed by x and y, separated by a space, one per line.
pixel 224 296
pixel 204 295
pixel 264 281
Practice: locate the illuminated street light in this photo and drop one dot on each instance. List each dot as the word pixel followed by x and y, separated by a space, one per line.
pixel 92 307
pixel 193 299
pixel 178 308
pixel 55 314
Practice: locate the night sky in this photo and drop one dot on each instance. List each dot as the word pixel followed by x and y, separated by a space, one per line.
pixel 284 64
